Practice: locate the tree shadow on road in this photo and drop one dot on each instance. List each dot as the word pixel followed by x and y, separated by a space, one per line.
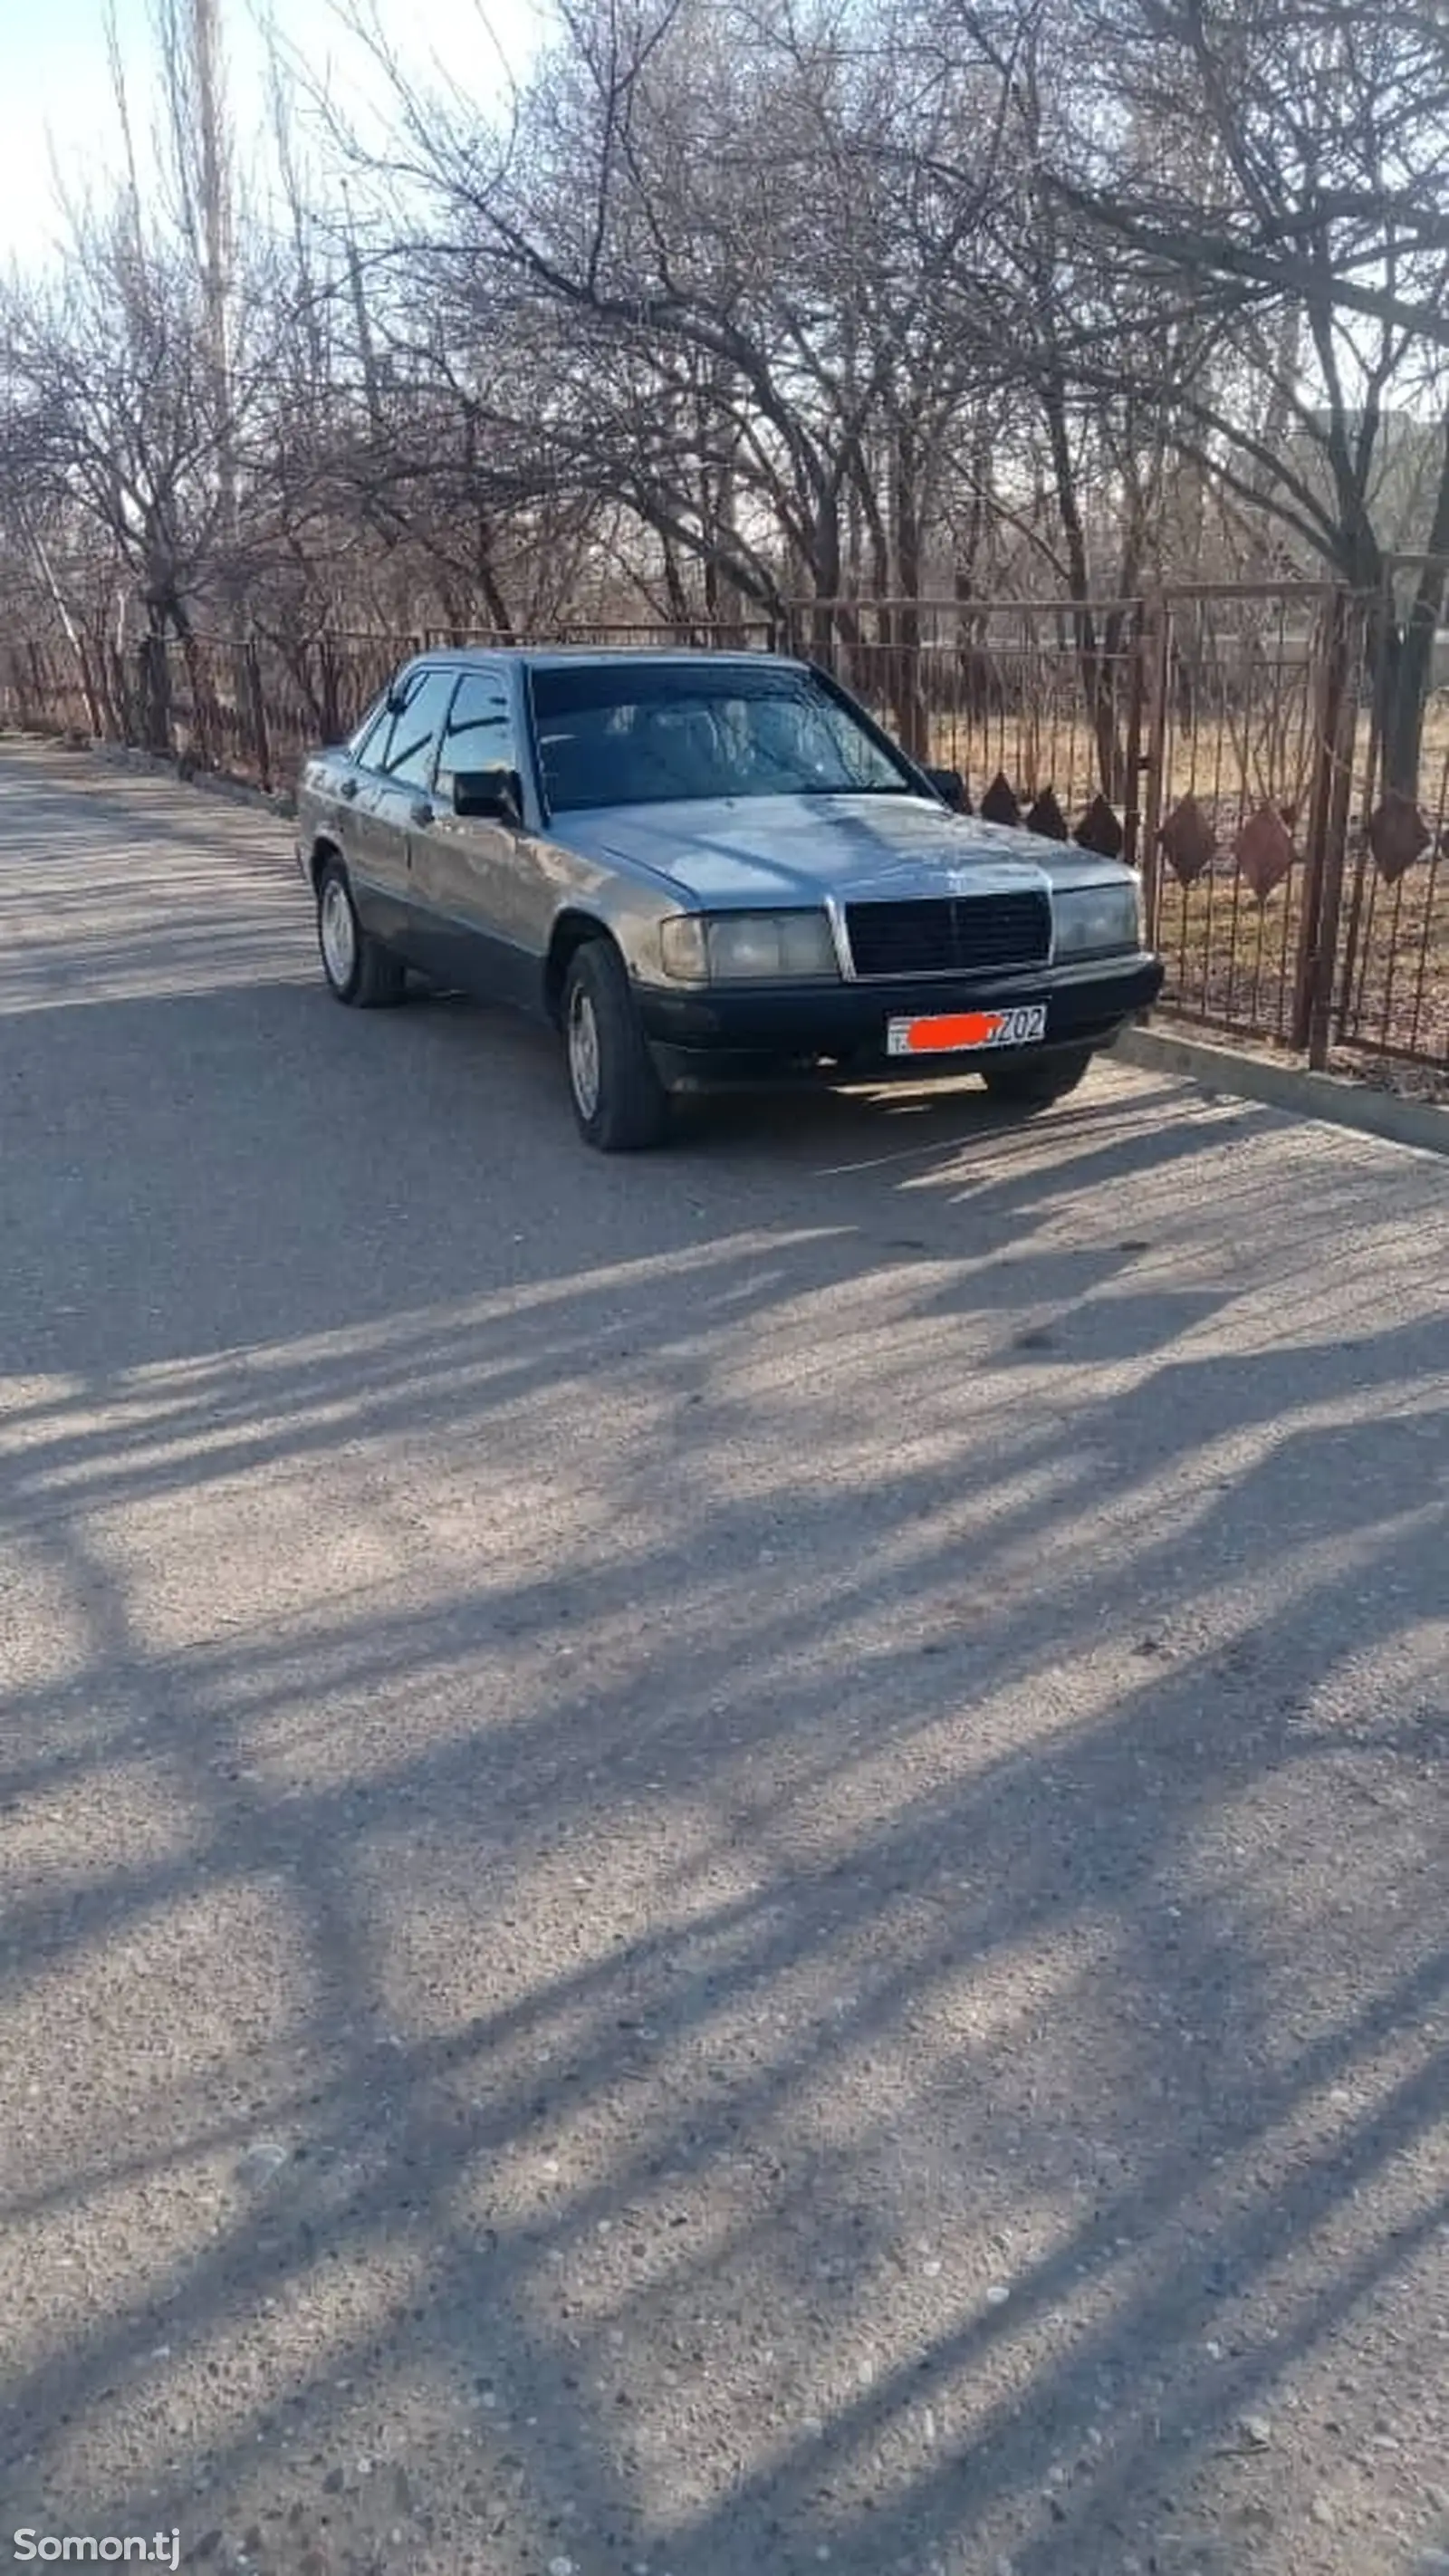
pixel 770 1881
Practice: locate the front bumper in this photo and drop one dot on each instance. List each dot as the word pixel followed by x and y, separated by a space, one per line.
pixel 702 1039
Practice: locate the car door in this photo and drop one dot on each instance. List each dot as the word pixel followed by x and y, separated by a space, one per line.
pixel 331 784
pixel 481 879
pixel 392 805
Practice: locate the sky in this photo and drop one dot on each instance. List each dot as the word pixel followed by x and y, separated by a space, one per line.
pixel 56 105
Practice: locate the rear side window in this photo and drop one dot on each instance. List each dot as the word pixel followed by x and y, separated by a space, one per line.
pixel 479 733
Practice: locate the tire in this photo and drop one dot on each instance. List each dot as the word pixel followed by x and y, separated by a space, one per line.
pixel 357 969
pixel 1038 1080
pixel 619 1101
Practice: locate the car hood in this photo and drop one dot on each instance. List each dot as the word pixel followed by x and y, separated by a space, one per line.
pixel 730 851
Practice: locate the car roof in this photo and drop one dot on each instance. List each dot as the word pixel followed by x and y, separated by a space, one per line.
pixel 567 656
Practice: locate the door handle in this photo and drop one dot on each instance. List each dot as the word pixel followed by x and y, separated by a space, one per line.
pixel 348 788
pixel 421 813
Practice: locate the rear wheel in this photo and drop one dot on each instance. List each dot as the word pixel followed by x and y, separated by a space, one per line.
pixel 357 969
pixel 1037 1080
pixel 619 1101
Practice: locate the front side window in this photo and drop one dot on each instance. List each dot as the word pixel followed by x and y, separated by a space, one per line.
pixel 479 733
pixel 407 754
pixel 643 733
pixel 370 735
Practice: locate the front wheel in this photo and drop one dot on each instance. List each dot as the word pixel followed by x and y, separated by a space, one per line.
pixel 1035 1081
pixel 619 1101
pixel 356 968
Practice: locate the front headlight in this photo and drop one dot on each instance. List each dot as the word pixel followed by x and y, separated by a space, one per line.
pixel 1098 921
pixel 747 947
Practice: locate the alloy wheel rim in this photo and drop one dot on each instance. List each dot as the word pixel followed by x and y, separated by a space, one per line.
pixel 339 939
pixel 584 1051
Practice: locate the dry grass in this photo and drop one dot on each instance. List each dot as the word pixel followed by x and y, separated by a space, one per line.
pixel 1233 960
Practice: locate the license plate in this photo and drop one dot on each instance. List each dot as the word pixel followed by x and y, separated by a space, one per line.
pixel 967 1032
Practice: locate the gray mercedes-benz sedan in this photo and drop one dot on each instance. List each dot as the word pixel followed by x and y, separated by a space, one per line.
pixel 706 869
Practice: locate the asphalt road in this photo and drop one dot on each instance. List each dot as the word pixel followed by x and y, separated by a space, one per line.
pixel 711 1864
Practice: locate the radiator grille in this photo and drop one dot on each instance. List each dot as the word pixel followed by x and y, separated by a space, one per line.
pixel 967 934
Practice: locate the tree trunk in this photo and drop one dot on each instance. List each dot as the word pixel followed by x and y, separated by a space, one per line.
pixel 1097 690
pixel 217 242
pixel 825 579
pixel 1408 661
pixel 678 596
pixel 909 698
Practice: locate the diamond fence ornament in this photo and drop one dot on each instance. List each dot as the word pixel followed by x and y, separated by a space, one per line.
pixel 1046 816
pixel 1100 831
pixel 1188 841
pixel 1397 835
pixel 998 805
pixel 1264 851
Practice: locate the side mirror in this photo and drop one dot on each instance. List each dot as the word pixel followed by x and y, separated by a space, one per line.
pixel 493 795
pixel 950 786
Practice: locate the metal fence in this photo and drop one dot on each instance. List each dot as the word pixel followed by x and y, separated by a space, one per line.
pixel 1296 895
pixel 1228 741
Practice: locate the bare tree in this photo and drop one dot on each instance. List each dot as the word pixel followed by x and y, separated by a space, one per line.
pixel 1282 176
pixel 737 306
pixel 713 225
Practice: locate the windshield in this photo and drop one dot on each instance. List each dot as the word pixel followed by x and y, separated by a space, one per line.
pixel 649 733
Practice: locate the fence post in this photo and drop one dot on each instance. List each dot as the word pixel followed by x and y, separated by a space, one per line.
pixel 39 693
pixel 121 699
pixel 1336 843
pixel 1154 645
pixel 1132 749
pixel 1376 648
pixel 155 673
pixel 1327 827
pixel 257 713
pixel 327 689
pixel 89 691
